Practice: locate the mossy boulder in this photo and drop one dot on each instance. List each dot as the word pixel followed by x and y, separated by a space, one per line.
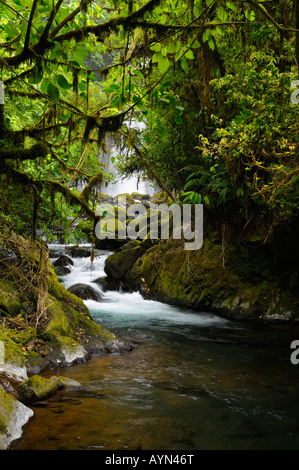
pixel 68 384
pixel 63 331
pixel 77 251
pixel 14 415
pixel 102 197
pixel 37 388
pixel 14 360
pixel 125 199
pixel 140 197
pixel 61 265
pixel 120 262
pixel 215 281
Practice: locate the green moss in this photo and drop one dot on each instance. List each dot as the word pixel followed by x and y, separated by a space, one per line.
pixel 204 279
pixel 125 197
pixel 37 388
pixel 13 354
pixel 6 408
pixel 101 197
pixel 10 301
pixel 65 316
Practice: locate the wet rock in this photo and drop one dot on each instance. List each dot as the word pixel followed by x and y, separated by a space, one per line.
pixel 62 264
pixel 106 283
pixel 9 384
pixel 37 388
pixel 14 415
pixel 78 252
pixel 98 348
pixel 129 245
pixel 109 244
pixel 68 384
pixel 85 292
pixel 62 270
pixel 55 252
pixel 140 197
pixel 64 352
pixel 13 372
pixel 63 260
pixel 119 263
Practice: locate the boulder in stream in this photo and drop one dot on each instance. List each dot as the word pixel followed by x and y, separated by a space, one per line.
pixel 106 283
pixel 119 263
pixel 62 264
pixel 85 292
pixel 63 260
pixel 37 388
pixel 14 415
pixel 68 384
pixel 78 252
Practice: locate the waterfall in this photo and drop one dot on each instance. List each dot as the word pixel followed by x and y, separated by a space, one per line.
pixel 125 185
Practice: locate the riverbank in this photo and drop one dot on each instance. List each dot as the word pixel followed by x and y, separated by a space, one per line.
pixel 43 326
pixel 239 283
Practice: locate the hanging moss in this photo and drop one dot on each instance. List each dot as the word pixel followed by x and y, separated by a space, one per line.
pixel 90 125
pixel 96 180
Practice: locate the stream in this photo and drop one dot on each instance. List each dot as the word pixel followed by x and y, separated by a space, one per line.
pixel 194 382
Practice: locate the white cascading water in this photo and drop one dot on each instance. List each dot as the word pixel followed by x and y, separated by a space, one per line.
pixel 130 307
pixel 121 186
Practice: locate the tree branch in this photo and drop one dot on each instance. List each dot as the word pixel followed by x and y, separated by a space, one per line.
pixel 44 44
pixel 27 38
pixel 36 151
pixel 53 13
pixel 23 178
pixel 66 20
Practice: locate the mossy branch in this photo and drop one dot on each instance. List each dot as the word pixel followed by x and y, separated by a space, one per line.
pixel 78 34
pixel 37 150
pixel 70 196
pixel 21 177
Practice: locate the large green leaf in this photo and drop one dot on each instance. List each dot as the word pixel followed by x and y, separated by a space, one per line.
pixel 53 92
pixel 163 64
pixel 222 14
pixel 63 83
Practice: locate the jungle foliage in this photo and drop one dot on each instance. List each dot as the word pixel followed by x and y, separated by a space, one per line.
pixel 197 92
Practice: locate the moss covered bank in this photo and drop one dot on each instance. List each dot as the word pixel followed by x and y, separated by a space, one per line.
pixel 240 281
pixel 42 326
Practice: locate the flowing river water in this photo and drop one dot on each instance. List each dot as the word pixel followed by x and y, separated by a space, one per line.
pixel 194 382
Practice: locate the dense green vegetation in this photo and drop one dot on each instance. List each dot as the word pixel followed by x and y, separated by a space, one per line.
pixel 209 81
pixel 200 96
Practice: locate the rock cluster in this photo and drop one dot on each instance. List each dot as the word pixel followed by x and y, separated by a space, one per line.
pixel 18 395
